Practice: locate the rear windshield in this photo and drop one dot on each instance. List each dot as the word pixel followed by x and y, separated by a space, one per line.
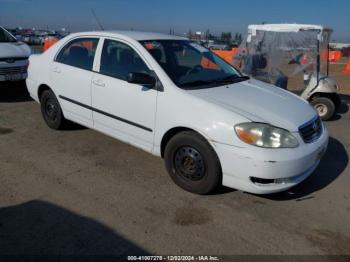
pixel 5 37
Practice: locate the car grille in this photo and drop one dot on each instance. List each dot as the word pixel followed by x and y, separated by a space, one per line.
pixel 12 59
pixel 13 70
pixel 311 130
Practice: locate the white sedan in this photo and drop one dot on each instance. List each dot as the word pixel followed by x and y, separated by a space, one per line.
pixel 177 100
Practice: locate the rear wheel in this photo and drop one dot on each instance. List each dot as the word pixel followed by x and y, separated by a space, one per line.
pixel 324 106
pixel 51 110
pixel 192 163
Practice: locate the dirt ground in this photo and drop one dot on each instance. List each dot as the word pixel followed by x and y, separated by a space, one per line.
pixel 81 192
pixel 343 80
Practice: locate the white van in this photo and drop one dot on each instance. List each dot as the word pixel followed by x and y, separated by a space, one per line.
pixel 13 57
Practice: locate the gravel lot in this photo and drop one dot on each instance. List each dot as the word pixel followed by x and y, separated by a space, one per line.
pixel 81 192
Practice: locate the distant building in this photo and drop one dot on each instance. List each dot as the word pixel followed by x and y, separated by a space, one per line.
pixel 339 46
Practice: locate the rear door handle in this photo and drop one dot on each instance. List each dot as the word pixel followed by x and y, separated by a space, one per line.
pixel 99 83
pixel 57 70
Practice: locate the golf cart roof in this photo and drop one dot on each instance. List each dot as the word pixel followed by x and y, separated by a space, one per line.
pixel 286 28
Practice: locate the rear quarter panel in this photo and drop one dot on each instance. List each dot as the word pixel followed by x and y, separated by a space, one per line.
pixel 39 70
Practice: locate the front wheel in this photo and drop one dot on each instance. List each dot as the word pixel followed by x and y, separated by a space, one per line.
pixel 192 163
pixel 324 106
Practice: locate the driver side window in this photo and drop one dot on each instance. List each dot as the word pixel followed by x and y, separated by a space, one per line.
pixel 118 60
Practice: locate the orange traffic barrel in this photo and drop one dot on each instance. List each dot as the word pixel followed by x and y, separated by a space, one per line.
pixel 334 56
pixel 88 44
pixel 227 55
pixel 347 68
pixel 48 42
pixel 206 63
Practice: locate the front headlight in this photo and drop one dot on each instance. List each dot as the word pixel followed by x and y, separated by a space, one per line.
pixel 265 135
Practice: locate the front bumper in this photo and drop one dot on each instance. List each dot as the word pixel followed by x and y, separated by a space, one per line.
pixel 13 77
pixel 281 168
pixel 13 71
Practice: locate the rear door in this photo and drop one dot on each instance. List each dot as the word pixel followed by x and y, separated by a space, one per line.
pixel 124 110
pixel 71 75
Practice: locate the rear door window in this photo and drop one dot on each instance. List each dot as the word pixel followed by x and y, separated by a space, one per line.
pixel 79 53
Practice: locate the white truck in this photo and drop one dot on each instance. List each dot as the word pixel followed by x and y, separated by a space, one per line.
pixel 13 57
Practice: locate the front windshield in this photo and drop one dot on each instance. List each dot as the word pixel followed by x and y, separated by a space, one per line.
pixel 190 65
pixel 5 37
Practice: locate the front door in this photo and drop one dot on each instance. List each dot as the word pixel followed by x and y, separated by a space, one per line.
pixel 124 110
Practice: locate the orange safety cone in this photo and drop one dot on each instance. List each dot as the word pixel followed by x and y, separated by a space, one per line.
pixel 347 68
pixel 48 42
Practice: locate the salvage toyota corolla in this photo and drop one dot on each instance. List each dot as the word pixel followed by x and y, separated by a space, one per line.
pixel 177 100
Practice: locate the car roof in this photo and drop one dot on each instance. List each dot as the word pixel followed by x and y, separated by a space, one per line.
pixel 136 35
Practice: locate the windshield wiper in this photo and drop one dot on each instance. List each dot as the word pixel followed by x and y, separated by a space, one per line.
pixel 232 79
pixel 196 83
pixel 225 80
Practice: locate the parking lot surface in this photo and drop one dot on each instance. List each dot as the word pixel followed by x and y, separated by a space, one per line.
pixel 81 192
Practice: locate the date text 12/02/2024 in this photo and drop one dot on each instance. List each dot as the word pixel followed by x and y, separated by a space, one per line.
pixel 173 258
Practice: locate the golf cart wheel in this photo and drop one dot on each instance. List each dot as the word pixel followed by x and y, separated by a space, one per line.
pixel 192 163
pixel 324 106
pixel 51 110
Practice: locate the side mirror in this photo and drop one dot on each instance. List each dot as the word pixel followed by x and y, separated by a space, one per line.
pixel 141 79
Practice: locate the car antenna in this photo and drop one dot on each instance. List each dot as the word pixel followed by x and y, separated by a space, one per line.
pixel 97 20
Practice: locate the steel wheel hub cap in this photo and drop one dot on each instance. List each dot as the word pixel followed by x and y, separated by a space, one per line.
pixel 51 109
pixel 189 163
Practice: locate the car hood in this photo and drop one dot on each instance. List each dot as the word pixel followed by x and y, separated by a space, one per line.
pixel 17 49
pixel 260 102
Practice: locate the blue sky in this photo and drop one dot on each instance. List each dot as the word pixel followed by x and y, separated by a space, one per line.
pixel 161 15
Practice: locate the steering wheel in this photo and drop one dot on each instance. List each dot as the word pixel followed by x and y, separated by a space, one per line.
pixel 193 69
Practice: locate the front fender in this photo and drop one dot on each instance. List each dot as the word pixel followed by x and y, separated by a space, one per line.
pixel 177 108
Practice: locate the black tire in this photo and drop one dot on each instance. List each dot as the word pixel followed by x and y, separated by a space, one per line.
pixel 51 110
pixel 324 106
pixel 337 101
pixel 192 163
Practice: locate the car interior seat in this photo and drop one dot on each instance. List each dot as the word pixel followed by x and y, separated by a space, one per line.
pixel 109 61
pixel 126 62
pixel 157 54
pixel 79 56
pixel 255 65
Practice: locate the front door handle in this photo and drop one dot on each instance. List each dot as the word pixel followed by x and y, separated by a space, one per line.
pixel 99 83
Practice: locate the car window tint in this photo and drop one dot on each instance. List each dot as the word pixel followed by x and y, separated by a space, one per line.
pixel 79 53
pixel 188 57
pixel 157 51
pixel 6 37
pixel 118 60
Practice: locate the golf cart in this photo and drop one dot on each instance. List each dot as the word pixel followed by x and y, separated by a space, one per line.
pixel 293 57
